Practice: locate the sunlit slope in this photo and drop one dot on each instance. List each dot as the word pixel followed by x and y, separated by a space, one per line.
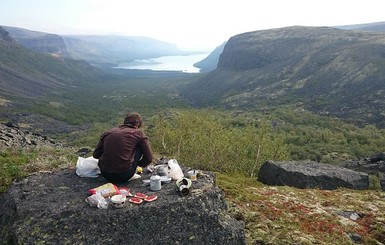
pixel 27 73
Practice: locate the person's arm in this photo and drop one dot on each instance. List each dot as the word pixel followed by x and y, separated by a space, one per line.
pixel 146 151
pixel 99 149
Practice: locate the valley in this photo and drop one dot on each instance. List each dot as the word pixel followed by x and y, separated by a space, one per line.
pixel 228 121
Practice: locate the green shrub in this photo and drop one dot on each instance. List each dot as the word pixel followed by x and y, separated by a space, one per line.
pixel 11 166
pixel 207 139
pixel 374 182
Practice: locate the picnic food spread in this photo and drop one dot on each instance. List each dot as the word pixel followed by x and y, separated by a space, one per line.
pixel 110 194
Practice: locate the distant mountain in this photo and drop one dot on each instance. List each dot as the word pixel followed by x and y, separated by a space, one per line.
pixel 26 73
pixel 326 70
pixel 98 50
pixel 211 61
pixel 377 26
pixel 113 50
pixel 37 41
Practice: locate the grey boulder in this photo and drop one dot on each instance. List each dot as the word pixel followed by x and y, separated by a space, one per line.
pixel 310 174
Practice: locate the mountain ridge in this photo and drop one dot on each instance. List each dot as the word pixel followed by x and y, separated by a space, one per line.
pixel 322 69
pixel 98 50
pixel 25 73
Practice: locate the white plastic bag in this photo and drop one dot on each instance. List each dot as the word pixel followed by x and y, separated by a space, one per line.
pixel 174 170
pixel 97 200
pixel 87 167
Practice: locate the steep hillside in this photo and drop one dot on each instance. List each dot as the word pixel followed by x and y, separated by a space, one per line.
pixel 98 50
pixel 25 73
pixel 211 61
pixel 325 70
pixel 37 41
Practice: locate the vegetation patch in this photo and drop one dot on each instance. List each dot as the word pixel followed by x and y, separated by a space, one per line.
pixel 16 163
pixel 55 104
pixel 210 140
pixel 3 102
pixel 286 215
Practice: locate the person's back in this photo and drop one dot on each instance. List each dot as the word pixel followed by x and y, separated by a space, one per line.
pixel 120 150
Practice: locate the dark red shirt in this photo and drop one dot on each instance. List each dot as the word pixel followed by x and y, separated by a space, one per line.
pixel 116 149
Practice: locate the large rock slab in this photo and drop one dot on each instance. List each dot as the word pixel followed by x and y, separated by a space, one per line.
pixel 374 165
pixel 309 174
pixel 50 208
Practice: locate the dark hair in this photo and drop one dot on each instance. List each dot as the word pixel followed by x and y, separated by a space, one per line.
pixel 133 119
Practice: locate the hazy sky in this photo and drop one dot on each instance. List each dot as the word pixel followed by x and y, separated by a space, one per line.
pixel 190 24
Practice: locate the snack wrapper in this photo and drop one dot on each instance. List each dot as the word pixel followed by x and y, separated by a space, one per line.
pixel 105 190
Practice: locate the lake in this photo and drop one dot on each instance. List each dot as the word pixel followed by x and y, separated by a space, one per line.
pixel 184 63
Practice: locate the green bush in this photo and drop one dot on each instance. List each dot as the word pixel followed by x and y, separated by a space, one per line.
pixel 207 139
pixel 374 182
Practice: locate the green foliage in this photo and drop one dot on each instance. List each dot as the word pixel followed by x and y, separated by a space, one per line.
pixel 104 102
pixel 16 163
pixel 206 139
pixel 242 141
pixel 91 137
pixel 11 166
pixel 326 139
pixel 374 182
pixel 225 138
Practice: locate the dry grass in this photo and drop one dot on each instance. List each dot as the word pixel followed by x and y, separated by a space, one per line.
pixel 16 163
pixel 286 215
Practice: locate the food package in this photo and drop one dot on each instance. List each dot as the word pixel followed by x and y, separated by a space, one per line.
pixel 125 191
pixel 97 200
pixel 105 190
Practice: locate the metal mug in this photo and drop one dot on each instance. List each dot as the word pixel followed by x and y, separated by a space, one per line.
pixel 155 183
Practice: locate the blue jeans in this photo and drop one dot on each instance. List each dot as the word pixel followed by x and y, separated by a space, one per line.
pixel 125 176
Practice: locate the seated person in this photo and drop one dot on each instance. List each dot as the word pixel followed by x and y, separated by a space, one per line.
pixel 122 149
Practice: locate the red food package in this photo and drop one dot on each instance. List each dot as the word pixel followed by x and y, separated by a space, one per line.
pixel 105 190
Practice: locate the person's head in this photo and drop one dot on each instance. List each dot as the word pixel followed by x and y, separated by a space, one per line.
pixel 133 119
